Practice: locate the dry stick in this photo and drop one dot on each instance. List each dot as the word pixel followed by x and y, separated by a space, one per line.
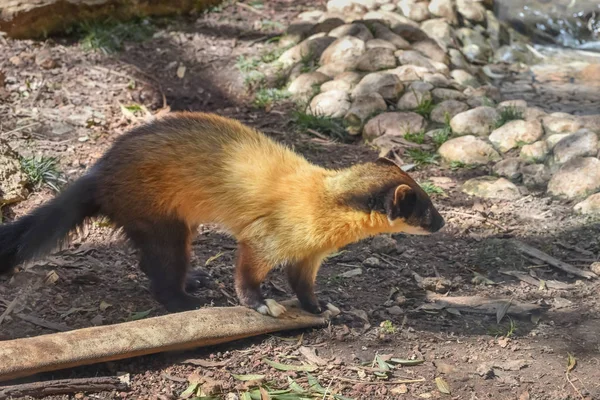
pixel 548 259
pixel 43 323
pixel 9 309
pixel 574 387
pixel 63 386
pixel 399 382
pixel 19 129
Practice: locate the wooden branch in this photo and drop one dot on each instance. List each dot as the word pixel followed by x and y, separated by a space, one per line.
pixel 554 262
pixel 479 305
pixel 63 386
pixel 178 331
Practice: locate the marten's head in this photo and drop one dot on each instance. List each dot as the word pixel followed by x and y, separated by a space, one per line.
pixel 384 188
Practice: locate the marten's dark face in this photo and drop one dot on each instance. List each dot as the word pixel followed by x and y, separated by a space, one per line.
pixel 409 208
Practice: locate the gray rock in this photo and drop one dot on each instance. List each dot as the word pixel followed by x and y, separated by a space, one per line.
pixel 534 113
pixel 478 121
pixel 421 87
pixel 516 133
pixel 325 25
pixel 471 10
pixel 535 176
pixel 412 57
pixel 305 83
pixel 496 31
pixel 517 105
pixel 349 6
pixel 345 81
pixel 296 32
pixel 469 150
pixel 490 187
pixel 590 206
pixel 552 140
pixel 372 262
pixel 308 49
pixel 534 153
pixel 438 80
pixel 382 32
pixel 415 11
pixel 447 109
pixel 457 60
pixel 440 31
pixel 583 143
pixel 516 53
pixel 380 44
pixel 576 179
pixel 13 181
pixel 464 78
pixel 393 124
pixel 441 94
pixel 387 85
pixel 488 91
pixel 376 60
pixel 411 100
pixel 357 30
pixel 408 73
pixel 383 244
pixel 337 67
pixel 409 32
pixel 475 46
pixel 444 9
pixel 363 107
pixel 561 123
pixel 431 50
pixel 509 168
pixel 344 49
pixel 334 103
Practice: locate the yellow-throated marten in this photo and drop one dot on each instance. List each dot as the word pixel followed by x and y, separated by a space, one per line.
pixel 160 181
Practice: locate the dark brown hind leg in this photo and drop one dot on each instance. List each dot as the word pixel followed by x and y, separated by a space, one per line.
pixel 301 277
pixel 165 248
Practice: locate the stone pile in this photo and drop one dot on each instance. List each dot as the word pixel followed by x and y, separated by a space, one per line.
pixel 391 68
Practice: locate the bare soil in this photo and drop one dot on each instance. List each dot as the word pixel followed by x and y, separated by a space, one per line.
pixel 98 281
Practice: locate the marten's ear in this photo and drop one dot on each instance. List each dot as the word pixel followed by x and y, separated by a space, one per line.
pixel 386 161
pixel 402 202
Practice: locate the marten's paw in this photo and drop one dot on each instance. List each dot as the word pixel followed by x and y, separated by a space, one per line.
pixel 330 311
pixel 272 308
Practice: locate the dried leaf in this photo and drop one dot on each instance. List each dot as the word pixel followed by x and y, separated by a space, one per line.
pixel 502 310
pixel 191 390
pixel 571 363
pixel 104 305
pixel 51 278
pixel 246 396
pixel 264 395
pixel 352 272
pixel 311 356
pixel 543 285
pixel 479 279
pixel 285 367
pixel 442 385
pixel 140 315
pixel 453 311
pixel 213 258
pixel 406 363
pixel 181 71
pixel 249 377
pixel 295 387
pixel 205 363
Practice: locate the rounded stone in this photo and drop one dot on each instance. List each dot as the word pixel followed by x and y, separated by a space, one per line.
pixel 516 133
pixel 447 110
pixel 468 150
pixel 577 178
pixel 334 103
pixel 478 121
pixel 393 124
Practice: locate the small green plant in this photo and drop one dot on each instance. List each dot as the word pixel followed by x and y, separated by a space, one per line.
pixel 418 137
pixel 456 165
pixel 440 137
pixel 430 188
pixel 425 106
pixel 43 171
pixel 333 127
pixel 266 97
pixel 245 64
pixel 110 35
pixel 506 331
pixel 422 157
pixel 388 327
pixel 507 114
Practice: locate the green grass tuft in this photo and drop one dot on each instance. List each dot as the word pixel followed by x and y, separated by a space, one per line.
pixel 43 171
pixel 110 35
pixel 418 137
pixel 332 127
pixel 430 188
pixel 508 114
pixel 266 97
pixel 422 157
pixel 424 107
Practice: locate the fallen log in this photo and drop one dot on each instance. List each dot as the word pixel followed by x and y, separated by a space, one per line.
pixel 180 331
pixel 63 386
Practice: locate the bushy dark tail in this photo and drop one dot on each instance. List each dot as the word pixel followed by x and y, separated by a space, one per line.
pixel 41 231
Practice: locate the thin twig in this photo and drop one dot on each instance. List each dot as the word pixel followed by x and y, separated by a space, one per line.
pixel 252 9
pixel 9 308
pixel 19 129
pixel 397 382
pixel 574 387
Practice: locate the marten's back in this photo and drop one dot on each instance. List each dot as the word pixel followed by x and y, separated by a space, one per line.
pixel 196 167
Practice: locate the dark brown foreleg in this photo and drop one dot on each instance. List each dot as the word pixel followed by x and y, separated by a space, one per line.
pixel 302 276
pixel 251 270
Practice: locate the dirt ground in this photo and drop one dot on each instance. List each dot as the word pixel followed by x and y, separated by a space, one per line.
pixel 72 111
